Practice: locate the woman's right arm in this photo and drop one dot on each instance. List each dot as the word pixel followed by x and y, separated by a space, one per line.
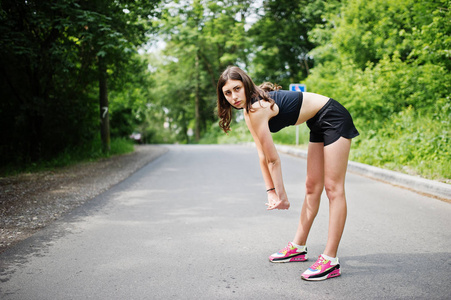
pixel 273 198
pixel 262 159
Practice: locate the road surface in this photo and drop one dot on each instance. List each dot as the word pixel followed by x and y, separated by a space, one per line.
pixel 193 225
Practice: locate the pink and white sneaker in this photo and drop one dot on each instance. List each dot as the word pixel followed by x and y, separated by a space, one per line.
pixel 290 253
pixel 322 269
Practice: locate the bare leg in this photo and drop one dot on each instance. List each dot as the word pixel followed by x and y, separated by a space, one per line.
pixel 336 162
pixel 313 188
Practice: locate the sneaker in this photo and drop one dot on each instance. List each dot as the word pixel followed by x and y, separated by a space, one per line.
pixel 290 253
pixel 321 270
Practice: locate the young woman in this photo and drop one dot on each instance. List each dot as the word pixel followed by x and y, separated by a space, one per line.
pixel 268 109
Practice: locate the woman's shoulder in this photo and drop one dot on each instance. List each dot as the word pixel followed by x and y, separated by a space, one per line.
pixel 264 108
pixel 260 103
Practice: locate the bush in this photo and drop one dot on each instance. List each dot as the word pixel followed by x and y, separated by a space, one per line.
pixel 410 143
pixel 238 134
pixel 87 152
pixel 287 136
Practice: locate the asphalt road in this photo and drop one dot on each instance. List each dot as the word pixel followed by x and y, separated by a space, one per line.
pixel 193 225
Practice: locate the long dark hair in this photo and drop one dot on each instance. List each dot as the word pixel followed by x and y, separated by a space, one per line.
pixel 251 91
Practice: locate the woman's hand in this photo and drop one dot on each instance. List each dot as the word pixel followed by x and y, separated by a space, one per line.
pixel 274 202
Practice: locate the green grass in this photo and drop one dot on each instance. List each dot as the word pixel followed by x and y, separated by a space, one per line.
pixel 409 143
pixel 87 152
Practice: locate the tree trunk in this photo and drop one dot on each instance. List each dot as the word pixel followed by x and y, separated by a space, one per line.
pixel 197 100
pixel 104 111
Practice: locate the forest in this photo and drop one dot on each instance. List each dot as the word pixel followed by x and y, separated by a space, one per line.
pixel 78 77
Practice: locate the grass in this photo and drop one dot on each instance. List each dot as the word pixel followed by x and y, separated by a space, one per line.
pixel 87 152
pixel 409 143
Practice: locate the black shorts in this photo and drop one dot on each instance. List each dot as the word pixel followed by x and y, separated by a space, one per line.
pixel 330 123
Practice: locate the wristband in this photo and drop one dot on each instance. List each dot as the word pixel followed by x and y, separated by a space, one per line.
pixel 270 190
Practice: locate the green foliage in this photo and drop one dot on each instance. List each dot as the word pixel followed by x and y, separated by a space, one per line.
pixel 280 43
pixel 288 135
pixel 379 91
pixel 130 98
pixel 239 134
pixel 202 37
pixel 389 65
pixel 49 51
pixel 411 143
pixel 72 155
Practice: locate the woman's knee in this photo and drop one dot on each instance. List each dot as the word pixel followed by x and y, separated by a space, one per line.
pixel 334 190
pixel 314 186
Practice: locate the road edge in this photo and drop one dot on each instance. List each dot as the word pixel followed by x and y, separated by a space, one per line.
pixel 427 187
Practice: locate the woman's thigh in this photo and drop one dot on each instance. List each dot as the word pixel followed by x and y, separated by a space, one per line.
pixel 315 167
pixel 336 161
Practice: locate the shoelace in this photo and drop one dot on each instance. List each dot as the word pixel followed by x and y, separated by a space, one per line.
pixel 286 249
pixel 319 262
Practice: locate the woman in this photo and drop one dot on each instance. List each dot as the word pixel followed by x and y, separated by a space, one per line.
pixel 268 109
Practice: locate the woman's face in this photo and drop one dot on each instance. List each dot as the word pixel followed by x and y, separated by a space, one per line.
pixel 234 93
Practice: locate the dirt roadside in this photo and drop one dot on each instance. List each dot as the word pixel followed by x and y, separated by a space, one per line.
pixel 29 202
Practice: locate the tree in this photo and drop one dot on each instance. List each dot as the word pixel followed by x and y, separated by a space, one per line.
pixel 280 40
pixel 50 56
pixel 202 38
pixel 114 30
pixel 38 57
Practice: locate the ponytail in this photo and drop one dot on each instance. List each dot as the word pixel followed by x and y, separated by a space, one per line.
pixel 269 87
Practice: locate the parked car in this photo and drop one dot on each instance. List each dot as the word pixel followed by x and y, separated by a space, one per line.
pixel 137 137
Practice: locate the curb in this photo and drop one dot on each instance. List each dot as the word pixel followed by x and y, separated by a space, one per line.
pixel 427 187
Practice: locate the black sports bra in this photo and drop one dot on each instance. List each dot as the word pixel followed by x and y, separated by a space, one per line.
pixel 289 104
